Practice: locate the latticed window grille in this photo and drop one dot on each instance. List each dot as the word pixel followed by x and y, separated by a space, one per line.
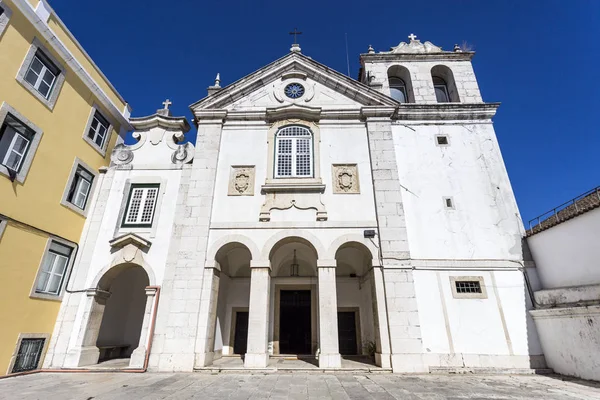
pixel 29 354
pixel 141 205
pixel 294 152
pixel 468 287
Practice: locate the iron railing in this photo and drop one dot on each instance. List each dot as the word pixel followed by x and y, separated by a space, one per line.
pixel 554 213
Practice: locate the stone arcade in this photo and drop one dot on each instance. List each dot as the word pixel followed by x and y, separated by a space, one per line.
pixel 315 215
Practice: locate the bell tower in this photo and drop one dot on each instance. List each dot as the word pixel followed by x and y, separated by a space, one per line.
pixel 421 73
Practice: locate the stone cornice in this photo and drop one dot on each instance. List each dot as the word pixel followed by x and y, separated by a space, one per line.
pixel 443 56
pixel 293 111
pixel 377 112
pixel 209 116
pixel 130 238
pixel 446 111
pixel 162 121
pixel 292 188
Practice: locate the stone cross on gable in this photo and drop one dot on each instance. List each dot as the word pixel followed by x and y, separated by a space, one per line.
pixel 412 37
pixel 167 103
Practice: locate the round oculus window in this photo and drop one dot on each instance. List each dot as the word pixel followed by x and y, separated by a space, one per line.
pixel 294 90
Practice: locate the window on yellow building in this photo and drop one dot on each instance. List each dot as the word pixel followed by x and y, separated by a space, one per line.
pixel 42 74
pixel 98 130
pixel 19 140
pixel 15 140
pixel 53 270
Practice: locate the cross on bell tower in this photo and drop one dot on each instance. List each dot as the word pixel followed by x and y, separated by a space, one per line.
pixel 295 45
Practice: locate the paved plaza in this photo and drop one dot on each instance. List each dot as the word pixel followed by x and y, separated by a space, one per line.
pixel 151 386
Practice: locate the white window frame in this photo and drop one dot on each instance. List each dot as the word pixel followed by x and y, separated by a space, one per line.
pixel 144 189
pixel 11 149
pixel 4 17
pixel 35 48
pixel 25 162
pixel 69 265
pixel 41 75
pixel 107 135
pixel 72 175
pixel 294 151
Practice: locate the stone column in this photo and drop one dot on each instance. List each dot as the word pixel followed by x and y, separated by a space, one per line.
pixel 205 341
pixel 382 334
pixel 84 351
pixel 257 353
pixel 177 323
pixel 329 354
pixel 403 315
pixel 139 354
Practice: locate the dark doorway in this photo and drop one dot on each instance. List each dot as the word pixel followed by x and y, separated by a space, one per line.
pixel 294 319
pixel 240 340
pixel 347 333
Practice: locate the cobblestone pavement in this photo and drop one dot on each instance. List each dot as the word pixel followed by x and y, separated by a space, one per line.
pixel 97 386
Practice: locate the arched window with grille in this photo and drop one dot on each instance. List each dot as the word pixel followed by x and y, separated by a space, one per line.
pixel 294 152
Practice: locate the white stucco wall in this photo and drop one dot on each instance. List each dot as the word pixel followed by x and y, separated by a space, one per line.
pixel 485 221
pixel 568 253
pixel 159 235
pixel 341 143
pixel 495 326
pixel 571 340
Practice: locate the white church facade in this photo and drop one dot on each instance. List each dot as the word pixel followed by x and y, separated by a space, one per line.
pixel 315 215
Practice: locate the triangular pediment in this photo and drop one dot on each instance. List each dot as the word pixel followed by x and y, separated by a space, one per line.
pixel 322 87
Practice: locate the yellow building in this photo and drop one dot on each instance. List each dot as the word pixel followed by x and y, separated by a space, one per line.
pixel 60 117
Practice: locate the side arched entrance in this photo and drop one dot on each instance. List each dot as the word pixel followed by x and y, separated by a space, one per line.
pixel 116 321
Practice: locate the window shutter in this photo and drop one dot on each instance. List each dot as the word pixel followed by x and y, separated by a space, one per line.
pixel 142 203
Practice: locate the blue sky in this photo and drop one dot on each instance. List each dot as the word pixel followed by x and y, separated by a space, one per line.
pixel 540 59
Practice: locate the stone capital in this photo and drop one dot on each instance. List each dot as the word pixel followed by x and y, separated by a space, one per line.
pixel 212 264
pixel 99 295
pixel 326 263
pixel 260 264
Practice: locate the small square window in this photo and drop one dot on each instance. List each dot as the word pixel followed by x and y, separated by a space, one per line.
pixel 448 203
pixel 442 140
pixel 28 355
pixel 468 287
pixel 141 205
pixel 54 268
